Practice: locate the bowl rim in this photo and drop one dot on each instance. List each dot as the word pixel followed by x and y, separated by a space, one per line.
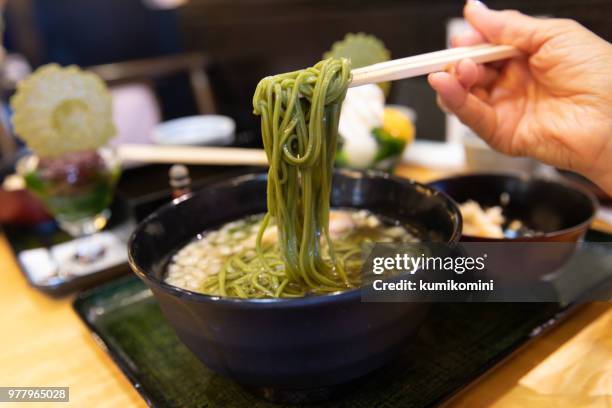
pixel 526 178
pixel 275 302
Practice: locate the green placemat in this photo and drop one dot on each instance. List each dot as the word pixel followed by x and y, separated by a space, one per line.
pixel 456 344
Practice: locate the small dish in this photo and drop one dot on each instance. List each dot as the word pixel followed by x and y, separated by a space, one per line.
pixel 555 211
pixel 195 130
pixel 556 215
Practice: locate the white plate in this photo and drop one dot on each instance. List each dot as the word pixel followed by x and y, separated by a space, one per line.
pixel 195 130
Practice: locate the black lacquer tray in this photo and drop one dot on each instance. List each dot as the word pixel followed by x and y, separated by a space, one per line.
pixel 456 344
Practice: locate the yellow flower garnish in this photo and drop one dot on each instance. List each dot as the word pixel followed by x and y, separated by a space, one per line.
pixel 397 124
pixel 59 110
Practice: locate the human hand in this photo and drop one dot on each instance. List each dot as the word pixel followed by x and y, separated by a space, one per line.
pixel 554 105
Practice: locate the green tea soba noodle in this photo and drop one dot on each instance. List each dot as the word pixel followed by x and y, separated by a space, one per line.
pixel 288 252
pixel 299 126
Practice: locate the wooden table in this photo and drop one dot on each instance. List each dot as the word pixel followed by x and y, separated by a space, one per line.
pixel 43 343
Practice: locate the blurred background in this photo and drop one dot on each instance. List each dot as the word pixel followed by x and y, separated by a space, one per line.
pixel 179 59
pixel 236 43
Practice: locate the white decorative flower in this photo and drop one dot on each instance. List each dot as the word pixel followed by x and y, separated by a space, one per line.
pixel 59 110
pixel 362 111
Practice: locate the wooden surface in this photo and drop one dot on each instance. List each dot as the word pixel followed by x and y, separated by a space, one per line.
pixel 43 343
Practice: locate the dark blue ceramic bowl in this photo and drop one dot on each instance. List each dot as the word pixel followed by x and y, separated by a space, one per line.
pixel 301 343
pixel 559 213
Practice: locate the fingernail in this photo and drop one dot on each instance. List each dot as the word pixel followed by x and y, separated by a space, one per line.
pixel 477 3
pixel 430 78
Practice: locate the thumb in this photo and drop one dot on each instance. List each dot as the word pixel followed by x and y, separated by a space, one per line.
pixel 508 27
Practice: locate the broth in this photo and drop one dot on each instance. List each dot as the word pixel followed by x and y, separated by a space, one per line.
pixel 225 262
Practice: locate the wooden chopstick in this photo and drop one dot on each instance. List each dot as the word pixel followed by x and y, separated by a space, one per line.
pixel 220 156
pixel 384 71
pixel 431 62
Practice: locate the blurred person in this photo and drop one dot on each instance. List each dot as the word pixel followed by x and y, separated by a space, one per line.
pixel 90 32
pixel 555 105
pixel 96 32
